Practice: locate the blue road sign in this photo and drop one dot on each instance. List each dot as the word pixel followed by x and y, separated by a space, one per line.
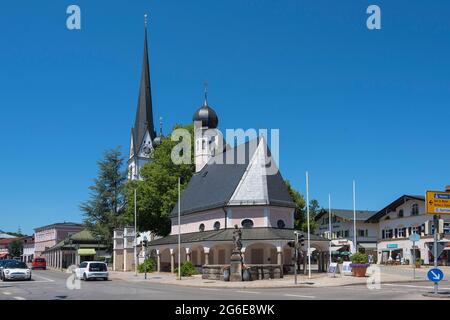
pixel 414 237
pixel 435 275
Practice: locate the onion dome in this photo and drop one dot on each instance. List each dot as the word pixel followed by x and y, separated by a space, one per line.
pixel 206 114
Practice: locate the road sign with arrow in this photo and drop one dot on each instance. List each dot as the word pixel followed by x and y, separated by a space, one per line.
pixel 435 275
pixel 438 202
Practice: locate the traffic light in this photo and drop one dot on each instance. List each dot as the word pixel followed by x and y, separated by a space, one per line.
pixel 301 240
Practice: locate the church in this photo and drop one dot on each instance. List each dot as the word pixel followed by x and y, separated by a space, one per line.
pixel 221 194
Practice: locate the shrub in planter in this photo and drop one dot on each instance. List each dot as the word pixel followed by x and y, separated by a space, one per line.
pixel 187 269
pixel 359 264
pixel 419 262
pixel 226 273
pixel 149 263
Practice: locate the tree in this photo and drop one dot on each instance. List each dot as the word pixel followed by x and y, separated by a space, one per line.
pixel 300 214
pixel 157 192
pixel 102 211
pixel 15 248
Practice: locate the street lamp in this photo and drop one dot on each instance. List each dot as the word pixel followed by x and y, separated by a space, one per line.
pixel 145 242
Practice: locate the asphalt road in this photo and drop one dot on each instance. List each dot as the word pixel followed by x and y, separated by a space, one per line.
pixel 51 285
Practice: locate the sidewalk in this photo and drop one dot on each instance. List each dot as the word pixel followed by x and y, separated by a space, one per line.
pixel 317 280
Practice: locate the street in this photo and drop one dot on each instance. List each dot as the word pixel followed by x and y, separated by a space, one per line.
pixel 51 285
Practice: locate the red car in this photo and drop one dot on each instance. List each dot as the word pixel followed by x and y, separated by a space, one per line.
pixel 39 263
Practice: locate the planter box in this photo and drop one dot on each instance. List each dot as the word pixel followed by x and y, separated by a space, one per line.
pixel 359 269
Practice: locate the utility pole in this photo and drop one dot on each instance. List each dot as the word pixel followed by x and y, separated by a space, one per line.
pixel 179 230
pixel 135 232
pixel 329 224
pixel 307 217
pixel 435 249
pixel 355 249
pixel 295 255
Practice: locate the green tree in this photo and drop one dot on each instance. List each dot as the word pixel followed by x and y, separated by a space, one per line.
pixel 300 214
pixel 157 192
pixel 15 248
pixel 102 211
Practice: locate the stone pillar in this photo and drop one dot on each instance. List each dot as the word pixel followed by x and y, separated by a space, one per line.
pixel 172 261
pixel 158 261
pixel 206 255
pixel 61 256
pixel 188 254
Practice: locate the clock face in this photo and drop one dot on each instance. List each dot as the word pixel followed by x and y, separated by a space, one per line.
pixel 147 149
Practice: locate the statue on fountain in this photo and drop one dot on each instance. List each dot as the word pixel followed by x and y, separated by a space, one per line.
pixel 236 256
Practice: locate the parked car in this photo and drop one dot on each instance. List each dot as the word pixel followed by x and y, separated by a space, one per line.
pixel 16 270
pixel 92 270
pixel 2 263
pixel 39 263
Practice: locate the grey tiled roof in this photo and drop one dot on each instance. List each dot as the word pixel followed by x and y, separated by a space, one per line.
pixel 347 214
pixel 215 184
pixel 227 235
pixel 393 205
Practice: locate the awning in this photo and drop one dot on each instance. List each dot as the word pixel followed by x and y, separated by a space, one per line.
pixel 368 245
pixel 336 248
pixel 86 252
pixel 3 254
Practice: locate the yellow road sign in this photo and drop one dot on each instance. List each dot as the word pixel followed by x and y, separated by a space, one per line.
pixel 438 202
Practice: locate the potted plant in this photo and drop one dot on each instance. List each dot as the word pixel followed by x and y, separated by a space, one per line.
pixel 226 273
pixel 246 275
pixel 359 264
pixel 419 262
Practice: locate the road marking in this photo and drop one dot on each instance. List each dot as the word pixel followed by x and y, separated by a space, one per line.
pixel 242 291
pixel 299 296
pixel 19 298
pixel 7 293
pixel 48 280
pixel 210 289
pixel 412 286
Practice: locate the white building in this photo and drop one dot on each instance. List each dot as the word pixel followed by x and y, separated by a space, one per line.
pixel 397 221
pixel 342 234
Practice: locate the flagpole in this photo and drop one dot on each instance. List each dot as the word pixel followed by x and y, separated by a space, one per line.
pixel 354 218
pixel 307 222
pixel 329 223
pixel 179 232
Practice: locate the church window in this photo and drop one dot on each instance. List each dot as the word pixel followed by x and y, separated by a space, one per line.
pixel 247 223
pixel 201 228
pixel 281 224
pixel 216 225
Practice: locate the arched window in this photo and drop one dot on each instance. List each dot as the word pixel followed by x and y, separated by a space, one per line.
pixel 415 209
pixel 201 228
pixel 216 225
pixel 400 213
pixel 247 223
pixel 281 224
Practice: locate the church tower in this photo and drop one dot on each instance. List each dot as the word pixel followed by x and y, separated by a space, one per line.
pixel 205 134
pixel 143 136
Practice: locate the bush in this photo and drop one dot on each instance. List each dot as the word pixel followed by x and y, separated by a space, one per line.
pixel 359 258
pixel 187 269
pixel 149 263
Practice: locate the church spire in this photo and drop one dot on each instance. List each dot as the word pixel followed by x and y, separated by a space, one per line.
pixel 144 114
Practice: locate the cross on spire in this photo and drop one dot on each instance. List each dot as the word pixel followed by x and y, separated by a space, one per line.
pixel 206 93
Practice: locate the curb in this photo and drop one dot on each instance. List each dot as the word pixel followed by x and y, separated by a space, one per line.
pixel 304 285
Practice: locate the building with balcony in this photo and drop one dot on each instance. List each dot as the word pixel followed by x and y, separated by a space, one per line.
pixel 397 221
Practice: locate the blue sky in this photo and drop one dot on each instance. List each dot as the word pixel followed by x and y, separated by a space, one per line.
pixel 350 103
